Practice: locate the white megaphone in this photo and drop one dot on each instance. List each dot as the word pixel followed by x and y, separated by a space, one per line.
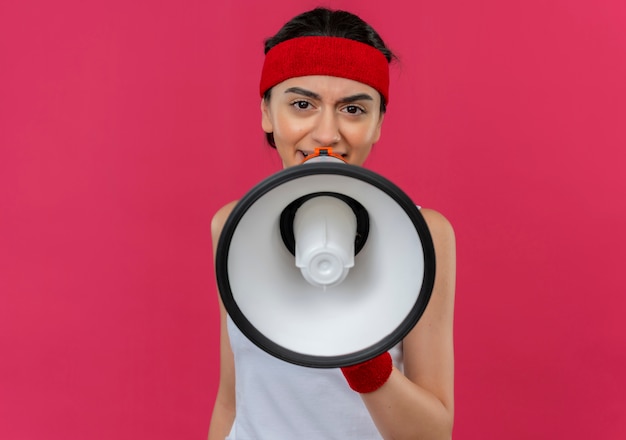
pixel 325 264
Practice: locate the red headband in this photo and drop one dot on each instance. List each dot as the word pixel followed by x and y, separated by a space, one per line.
pixel 331 56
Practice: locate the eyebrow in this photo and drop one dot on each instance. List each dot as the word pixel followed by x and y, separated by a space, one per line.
pixel 345 100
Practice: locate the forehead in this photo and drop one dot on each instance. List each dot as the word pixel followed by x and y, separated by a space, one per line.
pixel 331 87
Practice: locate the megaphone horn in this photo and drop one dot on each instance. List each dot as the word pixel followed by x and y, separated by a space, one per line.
pixel 325 264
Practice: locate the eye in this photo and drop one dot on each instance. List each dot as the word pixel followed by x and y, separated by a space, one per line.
pixel 354 109
pixel 301 104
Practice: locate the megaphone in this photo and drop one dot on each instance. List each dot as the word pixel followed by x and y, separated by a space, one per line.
pixel 325 264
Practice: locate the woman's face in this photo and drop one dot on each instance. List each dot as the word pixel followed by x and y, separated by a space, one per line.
pixel 308 112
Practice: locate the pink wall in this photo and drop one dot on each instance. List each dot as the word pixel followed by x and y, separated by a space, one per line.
pixel 125 124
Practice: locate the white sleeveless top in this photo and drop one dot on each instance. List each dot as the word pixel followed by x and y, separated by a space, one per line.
pixel 276 400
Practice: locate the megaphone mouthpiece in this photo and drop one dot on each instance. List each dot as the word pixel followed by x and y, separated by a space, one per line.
pixel 324 154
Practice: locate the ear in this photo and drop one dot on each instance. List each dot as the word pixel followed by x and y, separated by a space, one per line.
pixel 379 127
pixel 266 120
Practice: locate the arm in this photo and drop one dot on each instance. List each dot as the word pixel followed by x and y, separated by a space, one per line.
pixel 224 408
pixel 419 404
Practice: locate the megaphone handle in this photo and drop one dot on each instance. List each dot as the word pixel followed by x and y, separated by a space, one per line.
pixel 369 375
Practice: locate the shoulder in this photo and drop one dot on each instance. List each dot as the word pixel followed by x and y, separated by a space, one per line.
pixel 444 242
pixel 219 219
pixel 440 227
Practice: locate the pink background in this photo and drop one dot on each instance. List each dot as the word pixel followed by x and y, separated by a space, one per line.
pixel 125 124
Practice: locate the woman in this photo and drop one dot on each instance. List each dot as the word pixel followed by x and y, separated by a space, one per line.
pixel 325 83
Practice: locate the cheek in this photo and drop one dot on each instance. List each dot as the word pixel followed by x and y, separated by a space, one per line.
pixel 289 128
pixel 362 136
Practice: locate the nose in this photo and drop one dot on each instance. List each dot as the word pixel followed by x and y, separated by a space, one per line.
pixel 326 130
